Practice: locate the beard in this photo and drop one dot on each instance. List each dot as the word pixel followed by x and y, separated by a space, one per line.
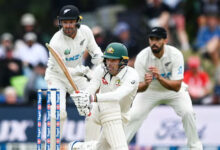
pixel 69 31
pixel 112 70
pixel 155 49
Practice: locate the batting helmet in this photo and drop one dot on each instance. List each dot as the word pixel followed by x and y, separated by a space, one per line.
pixel 117 51
pixel 70 12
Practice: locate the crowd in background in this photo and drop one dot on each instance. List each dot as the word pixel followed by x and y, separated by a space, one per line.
pixel 23 56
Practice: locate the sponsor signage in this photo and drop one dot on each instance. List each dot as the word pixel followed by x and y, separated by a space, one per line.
pixel 19 124
pixel 164 127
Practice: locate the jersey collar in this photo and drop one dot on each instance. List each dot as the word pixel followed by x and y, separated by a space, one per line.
pixel 121 74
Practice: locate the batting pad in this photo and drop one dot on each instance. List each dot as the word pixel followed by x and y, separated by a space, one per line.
pixel 114 134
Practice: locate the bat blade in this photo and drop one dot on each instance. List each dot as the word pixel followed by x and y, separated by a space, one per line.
pixel 62 66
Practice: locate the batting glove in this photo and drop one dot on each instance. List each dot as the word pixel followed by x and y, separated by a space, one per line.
pixel 82 101
pixel 84 111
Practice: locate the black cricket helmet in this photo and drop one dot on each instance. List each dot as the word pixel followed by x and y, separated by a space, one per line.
pixel 69 12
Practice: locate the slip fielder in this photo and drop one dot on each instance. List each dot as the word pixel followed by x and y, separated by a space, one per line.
pixel 117 84
pixel 160 68
pixel 70 42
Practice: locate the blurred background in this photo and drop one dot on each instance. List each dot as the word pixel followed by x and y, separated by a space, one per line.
pixel 193 26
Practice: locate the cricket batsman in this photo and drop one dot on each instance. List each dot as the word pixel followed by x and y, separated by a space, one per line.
pixel 70 42
pixel 160 68
pixel 117 84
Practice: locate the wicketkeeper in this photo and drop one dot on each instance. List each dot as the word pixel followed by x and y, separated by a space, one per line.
pixel 70 42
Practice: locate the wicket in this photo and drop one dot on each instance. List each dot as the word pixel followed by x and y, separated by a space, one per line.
pixel 48 118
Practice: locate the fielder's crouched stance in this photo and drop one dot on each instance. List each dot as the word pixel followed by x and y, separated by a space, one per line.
pixel 160 68
pixel 70 42
pixel 117 84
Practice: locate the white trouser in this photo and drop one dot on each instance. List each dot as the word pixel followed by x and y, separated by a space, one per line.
pixel 112 136
pixel 179 101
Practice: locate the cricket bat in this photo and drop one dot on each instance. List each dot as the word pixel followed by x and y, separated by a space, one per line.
pixel 62 66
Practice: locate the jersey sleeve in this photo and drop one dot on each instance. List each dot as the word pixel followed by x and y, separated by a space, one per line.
pixel 129 85
pixel 93 49
pixel 139 67
pixel 55 42
pixel 178 67
pixel 95 83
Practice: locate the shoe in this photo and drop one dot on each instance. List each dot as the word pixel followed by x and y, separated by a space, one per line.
pixel 75 145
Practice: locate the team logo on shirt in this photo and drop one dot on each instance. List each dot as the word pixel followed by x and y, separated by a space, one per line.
pixel 117 83
pixel 104 81
pixel 67 52
pixel 167 64
pixel 110 50
pixel 180 70
pixel 133 82
pixel 81 43
pixel 166 75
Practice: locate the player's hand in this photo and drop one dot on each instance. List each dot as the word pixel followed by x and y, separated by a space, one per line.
pixel 81 98
pixel 148 78
pixel 155 72
pixel 82 101
pixel 84 111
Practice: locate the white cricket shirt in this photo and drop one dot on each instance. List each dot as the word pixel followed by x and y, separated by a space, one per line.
pixel 170 65
pixel 122 87
pixel 71 50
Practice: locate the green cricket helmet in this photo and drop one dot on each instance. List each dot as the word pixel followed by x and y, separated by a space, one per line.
pixel 117 51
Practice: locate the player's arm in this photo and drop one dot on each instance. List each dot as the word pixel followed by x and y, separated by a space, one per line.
pixel 95 82
pixel 116 95
pixel 140 68
pixel 174 82
pixel 93 49
pixel 173 85
pixel 126 88
pixel 52 63
pixel 144 85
